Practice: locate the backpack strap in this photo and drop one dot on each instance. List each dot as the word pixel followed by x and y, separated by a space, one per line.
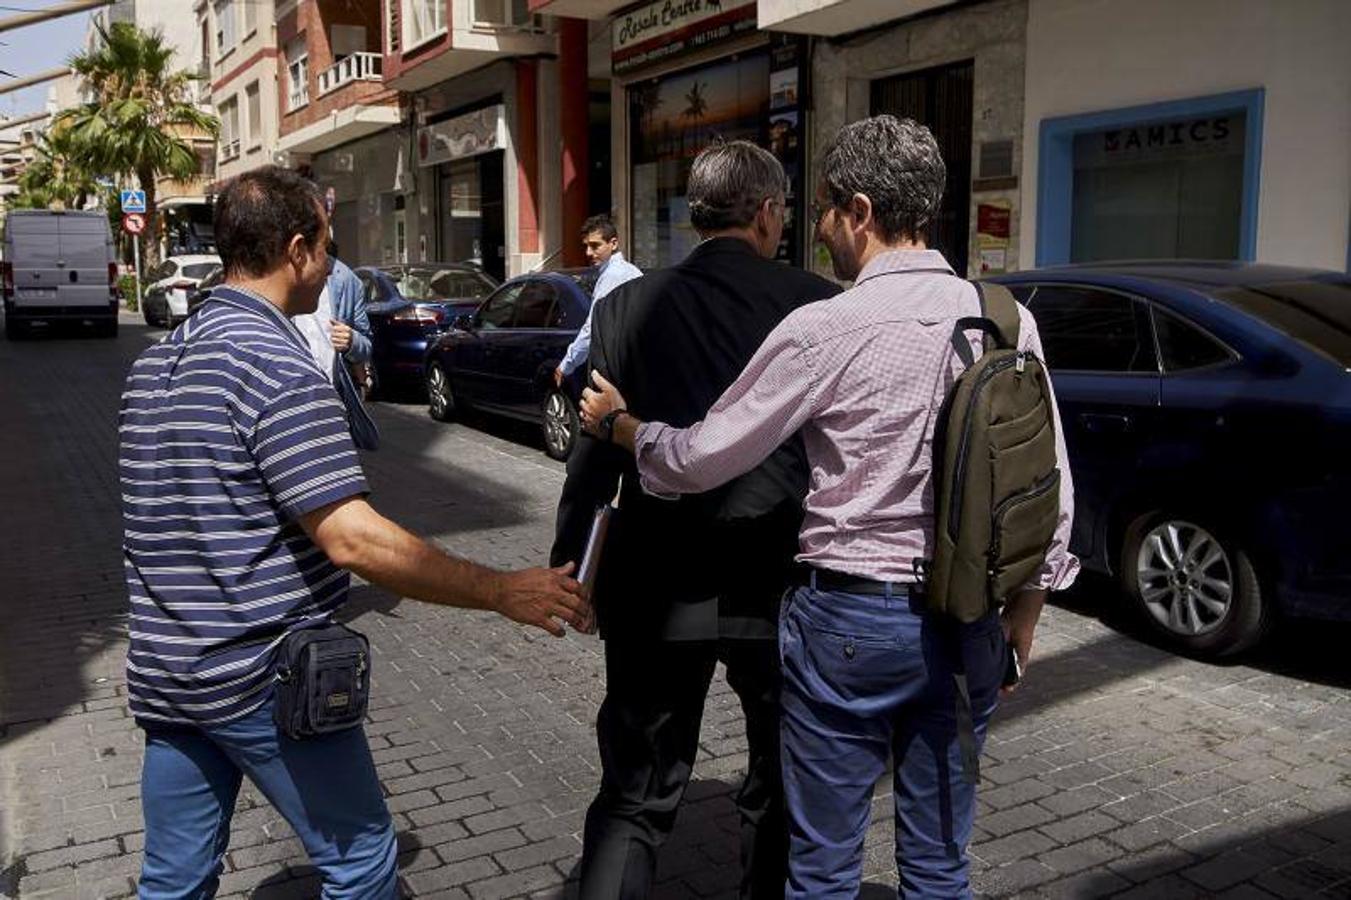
pixel 998 306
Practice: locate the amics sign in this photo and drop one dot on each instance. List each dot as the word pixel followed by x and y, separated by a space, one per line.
pixel 670 27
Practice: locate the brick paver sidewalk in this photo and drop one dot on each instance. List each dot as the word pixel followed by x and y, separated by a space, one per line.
pixel 1119 769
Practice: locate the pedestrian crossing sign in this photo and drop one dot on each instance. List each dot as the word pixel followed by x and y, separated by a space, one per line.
pixel 133 201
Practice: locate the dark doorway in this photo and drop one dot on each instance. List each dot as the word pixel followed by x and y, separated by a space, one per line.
pixel 941 100
pixel 472 212
pixel 598 148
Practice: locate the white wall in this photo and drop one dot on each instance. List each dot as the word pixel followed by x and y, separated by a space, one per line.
pixel 1091 55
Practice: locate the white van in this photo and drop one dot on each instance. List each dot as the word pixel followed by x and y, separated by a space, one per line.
pixel 58 266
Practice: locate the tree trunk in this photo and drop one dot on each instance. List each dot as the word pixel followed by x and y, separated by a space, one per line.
pixel 150 237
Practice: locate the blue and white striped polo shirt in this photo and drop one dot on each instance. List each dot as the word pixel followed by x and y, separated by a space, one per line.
pixel 229 434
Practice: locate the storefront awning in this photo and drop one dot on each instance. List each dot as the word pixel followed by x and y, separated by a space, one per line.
pixel 828 18
pixel 340 127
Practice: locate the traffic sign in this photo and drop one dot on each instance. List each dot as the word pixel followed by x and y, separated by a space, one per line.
pixel 133 201
pixel 133 223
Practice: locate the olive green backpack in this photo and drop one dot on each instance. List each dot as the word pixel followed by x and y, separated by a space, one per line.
pixel 997 486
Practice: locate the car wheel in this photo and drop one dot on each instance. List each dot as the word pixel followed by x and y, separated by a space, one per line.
pixel 1193 585
pixel 561 424
pixel 440 395
pixel 374 384
pixel 145 314
pixel 106 329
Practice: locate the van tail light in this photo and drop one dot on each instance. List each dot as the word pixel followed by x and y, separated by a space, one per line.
pixel 423 315
pixel 7 279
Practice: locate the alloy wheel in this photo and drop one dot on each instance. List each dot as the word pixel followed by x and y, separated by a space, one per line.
pixel 438 393
pixel 557 424
pixel 1186 579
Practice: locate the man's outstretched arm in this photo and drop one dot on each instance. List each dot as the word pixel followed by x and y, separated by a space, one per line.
pixel 359 539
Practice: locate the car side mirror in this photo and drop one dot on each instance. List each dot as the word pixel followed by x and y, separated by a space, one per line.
pixel 465 321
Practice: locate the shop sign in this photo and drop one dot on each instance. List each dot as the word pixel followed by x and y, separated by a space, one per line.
pixel 670 27
pixel 1180 139
pixel 993 230
pixel 481 131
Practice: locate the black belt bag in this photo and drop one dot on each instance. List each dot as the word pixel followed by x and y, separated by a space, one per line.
pixel 322 681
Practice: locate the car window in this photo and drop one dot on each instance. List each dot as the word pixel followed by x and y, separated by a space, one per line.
pixel 498 311
pixel 369 289
pixel 1317 312
pixel 431 283
pixel 1184 346
pixel 536 306
pixel 198 270
pixel 1089 330
pixel 1021 292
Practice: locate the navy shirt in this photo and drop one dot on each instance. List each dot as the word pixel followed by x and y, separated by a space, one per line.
pixel 229 434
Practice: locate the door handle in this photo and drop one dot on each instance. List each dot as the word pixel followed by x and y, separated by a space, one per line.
pixel 1105 423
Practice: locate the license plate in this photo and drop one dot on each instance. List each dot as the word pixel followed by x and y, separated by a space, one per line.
pixel 36 293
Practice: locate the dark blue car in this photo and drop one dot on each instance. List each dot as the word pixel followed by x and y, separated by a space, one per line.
pixel 1207 414
pixel 500 357
pixel 409 306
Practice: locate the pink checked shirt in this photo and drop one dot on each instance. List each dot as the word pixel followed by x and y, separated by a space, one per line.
pixel 862 375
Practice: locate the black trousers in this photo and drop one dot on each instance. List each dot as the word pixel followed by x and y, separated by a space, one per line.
pixel 648 731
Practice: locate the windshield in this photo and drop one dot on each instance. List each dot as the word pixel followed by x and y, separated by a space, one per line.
pixel 1315 313
pixel 198 270
pixel 428 284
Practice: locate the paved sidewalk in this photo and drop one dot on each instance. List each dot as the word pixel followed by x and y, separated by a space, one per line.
pixel 1120 769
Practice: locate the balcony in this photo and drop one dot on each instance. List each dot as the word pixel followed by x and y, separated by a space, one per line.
pixel 829 18
pixel 477 33
pixel 351 68
pixel 298 96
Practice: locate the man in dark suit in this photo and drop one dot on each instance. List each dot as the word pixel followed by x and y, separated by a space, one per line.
pixel 686 582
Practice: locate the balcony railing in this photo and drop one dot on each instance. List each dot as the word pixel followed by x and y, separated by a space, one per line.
pixel 298 96
pixel 355 67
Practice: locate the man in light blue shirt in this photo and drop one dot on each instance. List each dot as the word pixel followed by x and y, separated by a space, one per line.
pixel 601 239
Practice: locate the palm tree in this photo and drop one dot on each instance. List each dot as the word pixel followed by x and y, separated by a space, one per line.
pixel 140 111
pixel 696 109
pixel 54 176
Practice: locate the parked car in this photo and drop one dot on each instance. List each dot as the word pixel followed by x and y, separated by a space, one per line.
pixel 58 266
pixel 1207 414
pixel 409 306
pixel 165 299
pixel 203 290
pixel 500 358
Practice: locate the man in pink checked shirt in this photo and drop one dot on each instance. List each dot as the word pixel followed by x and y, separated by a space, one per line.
pixel 868 674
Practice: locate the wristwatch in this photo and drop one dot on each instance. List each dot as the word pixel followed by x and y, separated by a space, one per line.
pixel 606 425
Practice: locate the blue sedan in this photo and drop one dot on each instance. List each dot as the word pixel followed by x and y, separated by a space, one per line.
pixel 409 306
pixel 500 357
pixel 1207 414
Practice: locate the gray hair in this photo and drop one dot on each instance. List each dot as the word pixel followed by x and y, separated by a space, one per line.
pixel 729 181
pixel 896 164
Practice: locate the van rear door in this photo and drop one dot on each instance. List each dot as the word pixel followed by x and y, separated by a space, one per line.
pixel 35 247
pixel 86 250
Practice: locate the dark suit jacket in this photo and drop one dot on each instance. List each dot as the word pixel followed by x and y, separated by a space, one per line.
pixel 708 565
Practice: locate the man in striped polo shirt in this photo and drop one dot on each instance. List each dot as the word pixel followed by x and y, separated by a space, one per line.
pixel 243 505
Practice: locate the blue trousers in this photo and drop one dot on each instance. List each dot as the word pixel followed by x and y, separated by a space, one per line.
pixel 325 787
pixel 867 679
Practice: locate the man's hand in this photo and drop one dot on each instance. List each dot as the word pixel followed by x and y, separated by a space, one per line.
pixel 1020 622
pixel 341 335
pixel 543 598
pixel 597 404
pixel 558 377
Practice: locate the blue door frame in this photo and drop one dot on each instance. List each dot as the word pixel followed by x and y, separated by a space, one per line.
pixel 1055 166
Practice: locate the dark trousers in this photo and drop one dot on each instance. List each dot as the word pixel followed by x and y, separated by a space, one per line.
pixel 648 731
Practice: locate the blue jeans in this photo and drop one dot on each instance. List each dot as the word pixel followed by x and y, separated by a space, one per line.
pixel 325 787
pixel 866 678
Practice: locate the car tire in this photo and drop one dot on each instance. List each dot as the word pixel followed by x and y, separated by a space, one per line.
pixel 440 395
pixel 1193 584
pixel 561 424
pixel 106 329
pixel 145 314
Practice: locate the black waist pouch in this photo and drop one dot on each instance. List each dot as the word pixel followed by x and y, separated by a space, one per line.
pixel 322 681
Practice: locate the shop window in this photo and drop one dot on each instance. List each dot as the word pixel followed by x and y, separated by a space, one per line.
pixel 671 119
pixel 1184 346
pixel 1163 189
pixel 1083 329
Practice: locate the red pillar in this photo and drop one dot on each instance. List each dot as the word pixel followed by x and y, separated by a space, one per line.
pixel 527 155
pixel 574 108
